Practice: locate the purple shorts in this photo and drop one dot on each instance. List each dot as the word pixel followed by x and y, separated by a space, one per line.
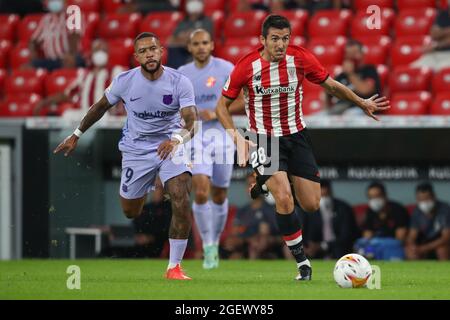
pixel 139 171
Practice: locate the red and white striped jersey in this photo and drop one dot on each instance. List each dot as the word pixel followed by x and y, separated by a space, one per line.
pixel 53 35
pixel 90 86
pixel 273 90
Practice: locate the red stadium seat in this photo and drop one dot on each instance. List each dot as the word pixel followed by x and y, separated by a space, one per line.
pixel 28 25
pixel 19 106
pixel 298 41
pixel 218 19
pixel 415 4
pixel 327 23
pixel 235 48
pixel 410 103
pixel 383 73
pixel 408 49
pixel 441 104
pixel 120 52
pixel 312 102
pixel 233 5
pixel 2 81
pixel 376 49
pixel 334 70
pixel 214 5
pixel 244 24
pixel 5 48
pixel 26 82
pixel 329 51
pixel 57 109
pixel 111 6
pixel 364 4
pixel 86 5
pixel 19 55
pixel 441 81
pixel 406 78
pixel 359 28
pixel 91 25
pixel 58 80
pixel 119 25
pixel 298 19
pixel 411 22
pixel 9 23
pixel 163 24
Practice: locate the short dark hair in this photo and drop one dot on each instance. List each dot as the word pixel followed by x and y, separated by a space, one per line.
pixel 353 42
pixel 143 35
pixel 274 21
pixel 425 187
pixel 377 185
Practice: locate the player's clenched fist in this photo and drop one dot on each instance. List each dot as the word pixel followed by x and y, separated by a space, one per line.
pixel 167 148
pixel 69 144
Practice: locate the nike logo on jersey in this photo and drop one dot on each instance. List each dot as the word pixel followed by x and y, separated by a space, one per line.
pixel 131 99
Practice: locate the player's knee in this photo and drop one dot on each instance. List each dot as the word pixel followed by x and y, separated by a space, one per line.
pixel 201 196
pixel 131 213
pixel 219 197
pixel 284 201
pixel 311 206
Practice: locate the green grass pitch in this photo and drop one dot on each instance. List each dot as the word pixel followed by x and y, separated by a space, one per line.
pixel 268 279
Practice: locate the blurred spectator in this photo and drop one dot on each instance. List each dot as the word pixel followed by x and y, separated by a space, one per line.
pixel 52 44
pixel 359 77
pixel 177 43
pixel 151 230
pixel 89 86
pixel 278 5
pixel 254 233
pixel 147 6
pixel 329 233
pixel 21 7
pixel 429 235
pixel 313 5
pixel 384 218
pixel 436 55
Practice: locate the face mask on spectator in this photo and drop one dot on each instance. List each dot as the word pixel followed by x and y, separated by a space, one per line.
pixel 326 203
pixel 376 204
pixel 426 206
pixel 55 6
pixel 193 7
pixel 100 58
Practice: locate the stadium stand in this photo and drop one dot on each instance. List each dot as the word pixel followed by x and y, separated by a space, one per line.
pixel 410 103
pixel 403 33
pixel 328 23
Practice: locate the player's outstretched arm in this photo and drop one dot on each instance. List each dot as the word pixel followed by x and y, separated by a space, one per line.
pixel 369 106
pixel 189 115
pixel 92 116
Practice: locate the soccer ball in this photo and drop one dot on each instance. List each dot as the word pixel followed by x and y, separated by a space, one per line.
pixel 352 271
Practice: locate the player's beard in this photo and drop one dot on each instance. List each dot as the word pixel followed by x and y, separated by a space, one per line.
pixel 144 66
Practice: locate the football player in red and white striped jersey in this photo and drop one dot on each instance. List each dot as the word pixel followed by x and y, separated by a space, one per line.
pixel 271 78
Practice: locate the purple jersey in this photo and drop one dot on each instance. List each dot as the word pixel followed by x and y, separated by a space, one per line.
pixel 208 81
pixel 153 107
pixel 212 147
